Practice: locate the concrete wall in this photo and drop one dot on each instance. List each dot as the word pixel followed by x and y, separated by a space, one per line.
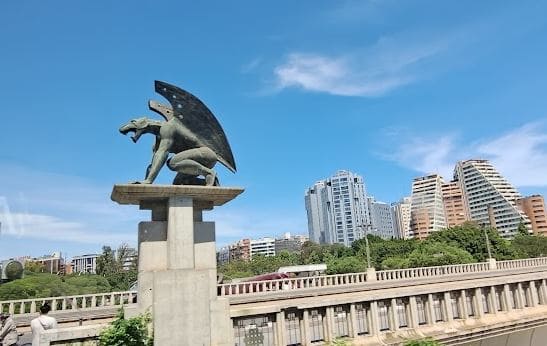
pixel 529 337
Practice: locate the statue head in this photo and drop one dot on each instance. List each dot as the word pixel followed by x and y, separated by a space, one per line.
pixel 138 127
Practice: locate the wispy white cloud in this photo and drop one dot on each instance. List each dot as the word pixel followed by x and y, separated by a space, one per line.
pixel 36 226
pixel 426 155
pixel 520 155
pixel 48 206
pixel 251 65
pixel 390 63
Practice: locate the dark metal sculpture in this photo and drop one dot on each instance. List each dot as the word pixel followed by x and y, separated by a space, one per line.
pixel 190 132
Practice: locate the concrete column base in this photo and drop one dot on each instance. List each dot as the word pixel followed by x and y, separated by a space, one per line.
pixel 492 263
pixel 371 274
pixel 177 263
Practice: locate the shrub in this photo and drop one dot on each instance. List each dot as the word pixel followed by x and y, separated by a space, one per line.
pixel 128 332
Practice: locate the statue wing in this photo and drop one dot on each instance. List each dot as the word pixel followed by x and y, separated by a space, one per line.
pixel 195 115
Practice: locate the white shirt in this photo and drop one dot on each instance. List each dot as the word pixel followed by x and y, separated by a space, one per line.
pixel 39 324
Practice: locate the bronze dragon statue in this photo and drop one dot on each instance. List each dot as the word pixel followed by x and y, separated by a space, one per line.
pixel 190 134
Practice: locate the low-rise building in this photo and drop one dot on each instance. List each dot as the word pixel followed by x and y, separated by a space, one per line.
pixel 289 243
pixel 263 246
pixel 85 264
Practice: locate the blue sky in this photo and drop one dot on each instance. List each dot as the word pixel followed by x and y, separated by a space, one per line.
pixel 387 89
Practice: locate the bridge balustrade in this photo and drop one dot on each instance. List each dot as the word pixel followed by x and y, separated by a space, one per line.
pixel 78 302
pixel 243 288
pixel 381 316
pixel 23 306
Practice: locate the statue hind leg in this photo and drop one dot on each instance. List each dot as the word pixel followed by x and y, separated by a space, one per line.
pixel 190 164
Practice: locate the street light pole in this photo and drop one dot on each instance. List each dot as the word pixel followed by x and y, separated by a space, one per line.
pixel 487 243
pixel 367 249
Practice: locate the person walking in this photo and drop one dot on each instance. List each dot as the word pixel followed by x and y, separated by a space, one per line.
pixel 41 323
pixel 8 330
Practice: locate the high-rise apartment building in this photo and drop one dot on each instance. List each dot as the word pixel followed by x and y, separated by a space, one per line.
pixel 316 208
pixel 263 246
pixel 381 221
pixel 400 212
pixel 337 209
pixel 534 207
pixel 427 209
pixel 454 205
pixel 489 198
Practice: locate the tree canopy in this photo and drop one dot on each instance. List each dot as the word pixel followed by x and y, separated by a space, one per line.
pixel 110 265
pixel 50 285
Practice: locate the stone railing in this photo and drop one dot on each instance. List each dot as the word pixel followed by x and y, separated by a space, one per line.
pixel 522 263
pixel 241 288
pixel 293 283
pixel 250 287
pixel 79 302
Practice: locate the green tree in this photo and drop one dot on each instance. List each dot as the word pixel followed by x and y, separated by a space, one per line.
pixel 522 230
pixel 431 253
pixel 14 270
pixel 343 265
pixel 106 262
pixel 128 332
pixel 381 249
pixel 34 267
pixel 49 285
pixel 471 237
pixel 313 253
pixel 111 265
pixel 528 246
pixel 422 342
pixel 395 263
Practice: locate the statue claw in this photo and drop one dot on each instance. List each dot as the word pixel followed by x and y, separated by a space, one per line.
pixel 138 182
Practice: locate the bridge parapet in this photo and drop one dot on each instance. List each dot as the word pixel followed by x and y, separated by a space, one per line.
pixel 522 263
pixel 452 312
pixel 77 302
pixel 440 273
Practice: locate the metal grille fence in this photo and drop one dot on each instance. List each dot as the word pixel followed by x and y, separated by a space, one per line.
pixel 420 304
pixel 437 308
pixel 341 314
pixel 469 302
pixel 254 331
pixel 484 298
pixel 383 314
pixel 361 315
pixel 498 297
pixel 455 306
pixel 292 325
pixel 401 307
pixel 316 324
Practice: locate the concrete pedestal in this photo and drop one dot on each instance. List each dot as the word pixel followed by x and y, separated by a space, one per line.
pixel 177 263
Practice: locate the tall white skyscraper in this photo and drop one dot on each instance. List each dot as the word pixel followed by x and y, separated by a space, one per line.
pixel 381 221
pixel 400 212
pixel 316 208
pixel 427 208
pixel 489 198
pixel 337 209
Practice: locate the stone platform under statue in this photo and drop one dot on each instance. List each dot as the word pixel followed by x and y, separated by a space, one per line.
pixel 177 279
